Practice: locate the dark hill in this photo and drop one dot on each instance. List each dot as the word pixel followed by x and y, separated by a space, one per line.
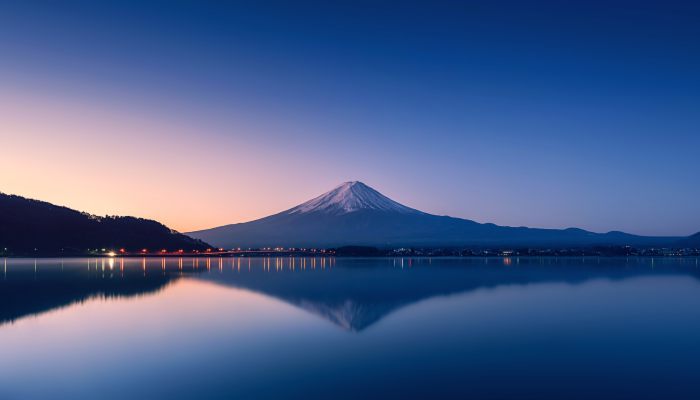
pixel 37 227
pixel 690 241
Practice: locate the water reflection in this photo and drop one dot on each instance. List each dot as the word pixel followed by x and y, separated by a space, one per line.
pixel 351 293
pixel 34 286
pixel 359 293
pixel 316 328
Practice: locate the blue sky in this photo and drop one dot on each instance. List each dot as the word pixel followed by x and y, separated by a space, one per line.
pixel 549 114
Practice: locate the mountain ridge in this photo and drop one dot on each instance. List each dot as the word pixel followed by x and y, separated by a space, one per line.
pixel 29 226
pixel 690 241
pixel 355 214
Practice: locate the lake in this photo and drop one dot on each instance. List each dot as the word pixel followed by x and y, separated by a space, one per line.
pixel 317 328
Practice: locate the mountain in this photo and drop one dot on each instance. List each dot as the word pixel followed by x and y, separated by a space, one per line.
pixel 690 241
pixel 26 225
pixel 355 214
pixel 351 197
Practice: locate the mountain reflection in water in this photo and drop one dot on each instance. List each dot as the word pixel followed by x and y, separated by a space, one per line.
pixel 351 293
pixel 343 328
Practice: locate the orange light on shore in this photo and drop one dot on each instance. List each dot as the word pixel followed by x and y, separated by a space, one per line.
pixel 144 250
pixel 122 250
pixel 164 251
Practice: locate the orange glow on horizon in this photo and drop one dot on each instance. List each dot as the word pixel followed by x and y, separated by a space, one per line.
pixel 135 147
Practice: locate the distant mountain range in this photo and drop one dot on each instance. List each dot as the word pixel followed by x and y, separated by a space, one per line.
pixel 36 227
pixel 355 214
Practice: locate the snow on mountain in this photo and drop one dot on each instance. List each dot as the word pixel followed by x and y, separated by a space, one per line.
pixel 350 197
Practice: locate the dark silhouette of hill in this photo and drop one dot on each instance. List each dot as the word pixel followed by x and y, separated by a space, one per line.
pixel 690 241
pixel 355 214
pixel 36 227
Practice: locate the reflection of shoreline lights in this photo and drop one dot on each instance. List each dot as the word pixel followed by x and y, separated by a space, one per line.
pixel 282 264
pixel 290 252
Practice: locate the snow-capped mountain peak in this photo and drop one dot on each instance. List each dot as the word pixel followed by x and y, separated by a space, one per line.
pixel 350 197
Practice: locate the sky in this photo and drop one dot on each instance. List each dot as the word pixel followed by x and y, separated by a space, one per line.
pixel 203 113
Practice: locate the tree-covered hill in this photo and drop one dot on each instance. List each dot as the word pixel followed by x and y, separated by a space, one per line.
pixel 36 227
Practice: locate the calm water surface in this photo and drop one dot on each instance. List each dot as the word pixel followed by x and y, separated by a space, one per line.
pixel 349 328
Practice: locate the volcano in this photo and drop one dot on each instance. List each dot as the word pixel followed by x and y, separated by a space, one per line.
pixel 356 214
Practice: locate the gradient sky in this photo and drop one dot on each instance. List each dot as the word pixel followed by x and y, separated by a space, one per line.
pixel 198 114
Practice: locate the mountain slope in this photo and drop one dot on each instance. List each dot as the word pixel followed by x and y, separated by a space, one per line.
pixel 690 241
pixel 355 214
pixel 26 225
pixel 350 197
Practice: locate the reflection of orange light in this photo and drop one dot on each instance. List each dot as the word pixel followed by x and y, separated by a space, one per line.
pixel 507 261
